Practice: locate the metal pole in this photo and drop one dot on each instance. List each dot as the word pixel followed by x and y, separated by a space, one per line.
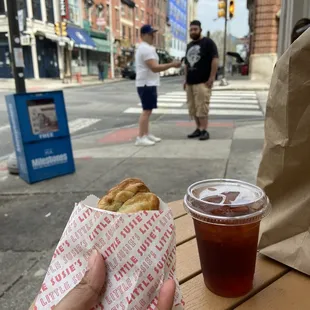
pixel 223 81
pixel 16 49
pixel 62 48
pixel 111 41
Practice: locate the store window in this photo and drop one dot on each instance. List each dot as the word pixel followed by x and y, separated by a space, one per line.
pixel 74 11
pixel 36 9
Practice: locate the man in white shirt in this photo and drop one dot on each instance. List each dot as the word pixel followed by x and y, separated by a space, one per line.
pixel 147 81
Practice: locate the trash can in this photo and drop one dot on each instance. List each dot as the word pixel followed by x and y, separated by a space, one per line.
pixel 41 135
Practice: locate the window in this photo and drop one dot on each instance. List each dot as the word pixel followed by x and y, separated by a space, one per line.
pixel 142 16
pixel 137 35
pixel 148 18
pixel 2 10
pixel 74 11
pixel 130 10
pixel 137 12
pixel 36 9
pixel 123 12
pixel 107 14
pixel 129 35
pixel 117 19
pixel 124 32
pixel 49 11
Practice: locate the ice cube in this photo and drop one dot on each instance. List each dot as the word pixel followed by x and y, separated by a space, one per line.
pixel 230 197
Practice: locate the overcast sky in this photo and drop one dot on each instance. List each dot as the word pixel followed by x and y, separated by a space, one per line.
pixel 207 12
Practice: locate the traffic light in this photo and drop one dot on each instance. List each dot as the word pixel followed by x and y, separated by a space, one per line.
pixel 231 8
pixel 64 29
pixel 57 29
pixel 222 9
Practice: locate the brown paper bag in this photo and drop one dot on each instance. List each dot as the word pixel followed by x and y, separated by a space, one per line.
pixel 284 171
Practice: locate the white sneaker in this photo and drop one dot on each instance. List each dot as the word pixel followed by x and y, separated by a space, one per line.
pixel 144 141
pixel 153 138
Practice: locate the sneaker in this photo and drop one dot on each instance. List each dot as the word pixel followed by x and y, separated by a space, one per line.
pixel 153 138
pixel 195 134
pixel 144 141
pixel 204 135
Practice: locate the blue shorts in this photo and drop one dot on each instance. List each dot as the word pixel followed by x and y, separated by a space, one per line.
pixel 148 97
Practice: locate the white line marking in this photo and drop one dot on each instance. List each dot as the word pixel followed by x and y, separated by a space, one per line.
pixel 81 123
pixel 227 93
pixel 212 105
pixel 167 105
pixel 212 112
pixel 181 100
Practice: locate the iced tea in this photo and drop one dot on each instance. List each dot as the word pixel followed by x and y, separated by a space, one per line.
pixel 227 215
pixel 227 257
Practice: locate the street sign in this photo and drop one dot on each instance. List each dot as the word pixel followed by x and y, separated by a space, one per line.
pixel 21 20
pixel 101 21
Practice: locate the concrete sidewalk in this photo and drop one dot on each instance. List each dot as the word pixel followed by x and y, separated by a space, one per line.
pixel 34 216
pixel 33 85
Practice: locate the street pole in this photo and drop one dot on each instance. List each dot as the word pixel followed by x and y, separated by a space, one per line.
pixel 16 49
pixel 62 48
pixel 224 81
pixel 111 41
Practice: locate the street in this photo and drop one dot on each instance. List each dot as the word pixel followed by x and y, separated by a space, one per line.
pixel 101 108
pixel 103 123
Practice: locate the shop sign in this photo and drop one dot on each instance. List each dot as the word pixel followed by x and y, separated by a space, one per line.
pixel 64 9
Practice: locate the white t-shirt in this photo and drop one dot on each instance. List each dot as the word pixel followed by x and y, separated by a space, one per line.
pixel 144 75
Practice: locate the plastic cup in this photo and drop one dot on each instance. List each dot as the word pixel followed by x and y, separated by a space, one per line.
pixel 227 215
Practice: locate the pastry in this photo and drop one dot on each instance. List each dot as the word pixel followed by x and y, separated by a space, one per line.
pixel 130 196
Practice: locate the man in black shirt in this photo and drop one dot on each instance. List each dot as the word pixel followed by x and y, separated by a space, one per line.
pixel 201 63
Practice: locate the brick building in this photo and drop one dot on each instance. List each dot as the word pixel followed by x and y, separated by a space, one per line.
pixel 264 29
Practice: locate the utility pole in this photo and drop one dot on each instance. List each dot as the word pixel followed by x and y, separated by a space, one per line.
pixel 111 41
pixel 16 49
pixel 224 81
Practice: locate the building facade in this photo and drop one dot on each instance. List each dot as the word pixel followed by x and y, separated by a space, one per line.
pixel 264 29
pixel 177 16
pixel 40 44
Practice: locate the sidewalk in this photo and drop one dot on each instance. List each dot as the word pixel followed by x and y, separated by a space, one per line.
pixel 33 85
pixel 53 84
pixel 34 216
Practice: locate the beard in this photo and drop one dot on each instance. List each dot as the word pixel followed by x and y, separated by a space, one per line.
pixel 195 36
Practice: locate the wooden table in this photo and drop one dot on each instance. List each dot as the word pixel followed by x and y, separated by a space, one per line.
pixel 276 286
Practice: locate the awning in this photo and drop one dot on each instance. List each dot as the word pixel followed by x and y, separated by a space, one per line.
pixel 103 45
pixel 81 38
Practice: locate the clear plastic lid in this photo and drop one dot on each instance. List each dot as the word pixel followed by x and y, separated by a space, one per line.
pixel 226 202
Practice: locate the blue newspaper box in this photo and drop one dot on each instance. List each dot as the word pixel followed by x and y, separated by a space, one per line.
pixel 41 135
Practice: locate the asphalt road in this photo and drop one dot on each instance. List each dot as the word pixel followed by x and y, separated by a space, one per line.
pixel 112 105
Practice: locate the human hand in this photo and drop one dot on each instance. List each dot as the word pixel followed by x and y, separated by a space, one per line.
pixel 210 82
pixel 176 64
pixel 87 294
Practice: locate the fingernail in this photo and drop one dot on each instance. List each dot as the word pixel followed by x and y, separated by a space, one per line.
pixel 92 259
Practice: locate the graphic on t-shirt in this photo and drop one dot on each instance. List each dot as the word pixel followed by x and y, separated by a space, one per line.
pixel 193 55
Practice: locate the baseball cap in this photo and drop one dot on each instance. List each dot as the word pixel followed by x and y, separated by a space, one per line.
pixel 147 29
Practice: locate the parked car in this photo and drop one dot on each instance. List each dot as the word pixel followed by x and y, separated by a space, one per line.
pixel 129 71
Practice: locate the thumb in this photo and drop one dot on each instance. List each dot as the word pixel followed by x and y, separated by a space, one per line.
pixel 166 295
pixel 88 292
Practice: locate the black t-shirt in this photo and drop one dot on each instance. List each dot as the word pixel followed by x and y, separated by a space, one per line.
pixel 199 56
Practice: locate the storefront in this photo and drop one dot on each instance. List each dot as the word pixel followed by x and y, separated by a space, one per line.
pixel 5 59
pixel 82 44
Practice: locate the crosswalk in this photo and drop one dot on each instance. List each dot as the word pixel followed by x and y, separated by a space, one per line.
pixel 234 104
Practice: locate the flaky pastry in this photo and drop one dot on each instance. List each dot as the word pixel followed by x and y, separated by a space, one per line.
pixel 130 196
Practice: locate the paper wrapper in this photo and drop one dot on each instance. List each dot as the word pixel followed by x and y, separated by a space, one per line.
pixel 285 167
pixel 139 250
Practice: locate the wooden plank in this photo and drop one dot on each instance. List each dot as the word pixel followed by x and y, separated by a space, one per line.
pixel 188 264
pixel 177 208
pixel 184 229
pixel 198 297
pixel 287 293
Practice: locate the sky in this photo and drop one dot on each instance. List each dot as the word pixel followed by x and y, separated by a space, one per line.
pixel 207 12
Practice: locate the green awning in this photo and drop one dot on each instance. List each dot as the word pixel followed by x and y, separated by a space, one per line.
pixel 103 45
